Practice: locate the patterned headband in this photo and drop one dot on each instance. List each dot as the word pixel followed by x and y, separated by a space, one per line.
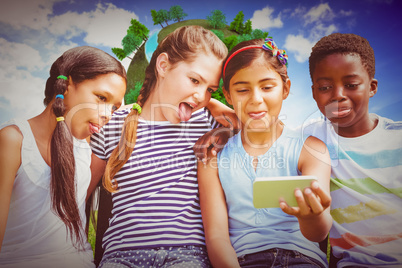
pixel 269 45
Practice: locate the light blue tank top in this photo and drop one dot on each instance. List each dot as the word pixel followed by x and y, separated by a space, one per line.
pixel 253 230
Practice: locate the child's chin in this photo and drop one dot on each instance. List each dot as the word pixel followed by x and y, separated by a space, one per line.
pixel 175 120
pixel 339 122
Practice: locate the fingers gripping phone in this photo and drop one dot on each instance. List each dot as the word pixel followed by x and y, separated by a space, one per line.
pixel 269 191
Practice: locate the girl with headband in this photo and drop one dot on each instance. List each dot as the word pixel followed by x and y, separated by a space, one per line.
pixel 45 163
pixel 151 168
pixel 238 234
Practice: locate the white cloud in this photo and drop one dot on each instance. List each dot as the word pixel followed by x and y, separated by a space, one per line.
pixel 69 24
pixel 300 46
pixel 320 30
pixel 21 13
pixel 317 13
pixel 108 25
pixel 319 19
pixel 20 89
pixel 299 10
pixel 104 26
pixel 34 38
pixel 263 19
pixel 346 13
pixel 14 55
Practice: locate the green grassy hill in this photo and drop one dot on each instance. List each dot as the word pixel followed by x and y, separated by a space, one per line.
pixel 136 70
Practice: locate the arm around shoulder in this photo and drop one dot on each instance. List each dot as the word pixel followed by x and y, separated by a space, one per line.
pixel 223 114
pixel 215 216
pixel 10 161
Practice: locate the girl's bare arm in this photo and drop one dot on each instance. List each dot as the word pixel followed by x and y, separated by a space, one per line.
pixel 97 169
pixel 313 212
pixel 10 161
pixel 214 216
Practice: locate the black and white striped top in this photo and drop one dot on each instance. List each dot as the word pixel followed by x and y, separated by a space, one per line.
pixel 157 202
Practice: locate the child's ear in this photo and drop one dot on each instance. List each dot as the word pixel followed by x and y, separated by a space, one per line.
pixel 70 84
pixel 162 64
pixel 286 89
pixel 226 93
pixel 373 87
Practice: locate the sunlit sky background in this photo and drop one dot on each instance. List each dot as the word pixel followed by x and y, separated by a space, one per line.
pixel 33 33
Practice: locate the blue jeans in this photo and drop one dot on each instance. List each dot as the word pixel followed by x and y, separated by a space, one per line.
pixel 172 257
pixel 277 257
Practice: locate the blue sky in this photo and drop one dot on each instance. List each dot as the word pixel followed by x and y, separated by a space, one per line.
pixel 33 33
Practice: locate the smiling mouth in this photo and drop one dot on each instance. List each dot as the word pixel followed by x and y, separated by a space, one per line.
pixel 93 128
pixel 257 115
pixel 340 113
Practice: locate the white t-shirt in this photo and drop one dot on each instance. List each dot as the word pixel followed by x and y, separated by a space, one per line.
pixel 366 191
pixel 35 236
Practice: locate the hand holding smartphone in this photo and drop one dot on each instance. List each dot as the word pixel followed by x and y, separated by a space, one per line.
pixel 269 191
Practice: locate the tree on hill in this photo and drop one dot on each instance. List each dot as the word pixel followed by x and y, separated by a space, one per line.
pixel 219 34
pixel 247 27
pixel 231 41
pixel 237 23
pixel 155 18
pixel 244 37
pixel 164 15
pixel 217 19
pixel 133 93
pixel 119 52
pixel 257 34
pixel 131 43
pixel 138 29
pixel 177 13
pixel 136 34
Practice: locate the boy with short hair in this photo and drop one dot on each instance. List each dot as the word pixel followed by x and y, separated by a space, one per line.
pixel 366 154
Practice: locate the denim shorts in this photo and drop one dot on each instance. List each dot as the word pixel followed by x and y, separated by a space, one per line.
pixel 277 257
pixel 174 257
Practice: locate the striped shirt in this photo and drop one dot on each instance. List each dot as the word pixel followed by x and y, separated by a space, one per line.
pixel 366 191
pixel 157 202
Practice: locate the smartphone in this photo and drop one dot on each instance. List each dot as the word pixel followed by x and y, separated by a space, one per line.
pixel 269 191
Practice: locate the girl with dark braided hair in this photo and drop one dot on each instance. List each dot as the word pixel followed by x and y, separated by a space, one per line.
pixel 45 163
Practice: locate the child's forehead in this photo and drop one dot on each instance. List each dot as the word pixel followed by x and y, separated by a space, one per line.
pixel 340 61
pixel 341 55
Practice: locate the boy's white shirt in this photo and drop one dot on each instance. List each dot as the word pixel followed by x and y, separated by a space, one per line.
pixel 366 191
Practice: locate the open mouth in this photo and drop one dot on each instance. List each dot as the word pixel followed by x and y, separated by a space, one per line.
pixel 93 128
pixel 185 111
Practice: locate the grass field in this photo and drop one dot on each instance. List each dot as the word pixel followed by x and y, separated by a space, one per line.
pixel 92 233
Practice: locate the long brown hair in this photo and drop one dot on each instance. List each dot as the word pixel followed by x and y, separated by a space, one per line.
pixel 180 45
pixel 80 63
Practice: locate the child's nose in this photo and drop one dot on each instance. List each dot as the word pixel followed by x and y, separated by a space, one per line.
pixel 200 96
pixel 105 112
pixel 256 96
pixel 338 93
